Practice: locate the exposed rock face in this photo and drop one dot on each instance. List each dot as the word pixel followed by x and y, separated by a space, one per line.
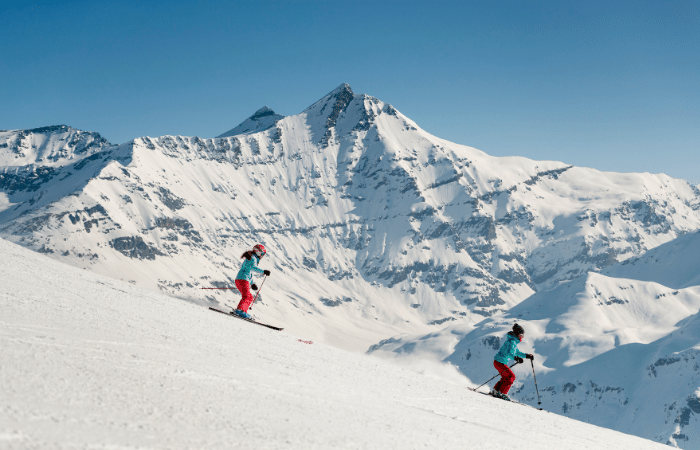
pixel 135 247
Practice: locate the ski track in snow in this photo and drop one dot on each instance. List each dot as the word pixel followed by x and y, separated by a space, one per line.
pixel 93 362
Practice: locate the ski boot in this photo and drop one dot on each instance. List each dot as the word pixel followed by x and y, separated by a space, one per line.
pixel 499 394
pixel 242 314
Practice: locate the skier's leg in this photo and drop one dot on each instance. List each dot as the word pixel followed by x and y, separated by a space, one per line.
pixel 244 288
pixel 508 379
pixel 497 387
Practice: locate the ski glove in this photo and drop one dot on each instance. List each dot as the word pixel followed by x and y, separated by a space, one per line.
pixel 254 287
pixel 266 272
pixel 518 360
pixel 530 356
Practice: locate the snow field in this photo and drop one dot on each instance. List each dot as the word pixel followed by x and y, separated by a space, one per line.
pixel 93 362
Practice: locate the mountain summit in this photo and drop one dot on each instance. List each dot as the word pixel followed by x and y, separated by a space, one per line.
pixel 340 96
pixel 50 146
pixel 263 119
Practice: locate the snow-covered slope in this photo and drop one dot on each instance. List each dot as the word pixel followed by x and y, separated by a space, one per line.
pixel 619 348
pixel 263 119
pixel 674 264
pixel 93 362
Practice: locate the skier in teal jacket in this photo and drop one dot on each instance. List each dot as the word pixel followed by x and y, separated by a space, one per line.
pixel 509 350
pixel 245 276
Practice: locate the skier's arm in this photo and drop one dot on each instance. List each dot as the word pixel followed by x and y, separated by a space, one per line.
pixel 254 267
pixel 257 269
pixel 513 351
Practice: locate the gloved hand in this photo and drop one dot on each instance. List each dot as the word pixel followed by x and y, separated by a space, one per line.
pixel 530 356
pixel 254 287
pixel 266 272
pixel 518 360
pixel 247 256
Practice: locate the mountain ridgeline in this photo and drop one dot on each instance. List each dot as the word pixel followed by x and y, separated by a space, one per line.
pixel 360 190
pixel 374 227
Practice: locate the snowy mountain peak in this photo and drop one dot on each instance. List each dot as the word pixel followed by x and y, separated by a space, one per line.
pixel 323 115
pixel 261 120
pixel 263 112
pixel 343 89
pixel 341 96
pixel 55 145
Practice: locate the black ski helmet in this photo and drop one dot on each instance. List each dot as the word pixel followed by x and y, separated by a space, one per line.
pixel 518 330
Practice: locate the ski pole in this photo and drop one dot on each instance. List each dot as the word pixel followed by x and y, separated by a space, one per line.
pixel 535 378
pixel 476 389
pixel 258 293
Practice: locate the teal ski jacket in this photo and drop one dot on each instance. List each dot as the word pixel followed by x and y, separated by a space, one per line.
pixel 509 349
pixel 249 266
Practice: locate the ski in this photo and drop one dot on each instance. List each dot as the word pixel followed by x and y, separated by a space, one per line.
pixel 511 400
pixel 247 320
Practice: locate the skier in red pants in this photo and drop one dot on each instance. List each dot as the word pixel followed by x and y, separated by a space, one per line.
pixel 509 350
pixel 245 276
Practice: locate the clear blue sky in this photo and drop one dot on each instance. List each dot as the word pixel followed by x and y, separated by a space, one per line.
pixel 613 85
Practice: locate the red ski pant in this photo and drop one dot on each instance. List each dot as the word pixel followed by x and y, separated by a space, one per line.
pixel 507 377
pixel 244 288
